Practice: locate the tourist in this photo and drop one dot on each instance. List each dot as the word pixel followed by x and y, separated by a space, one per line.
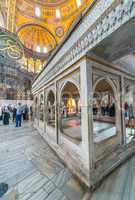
pixel 14 114
pixel 6 116
pixel 0 113
pixel 31 112
pixel 103 108
pixel 25 113
pixel 19 115
pixel 95 109
pixel 112 110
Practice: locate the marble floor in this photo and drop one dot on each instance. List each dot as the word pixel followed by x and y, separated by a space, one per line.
pixel 120 185
pixel 34 172
pixel 31 168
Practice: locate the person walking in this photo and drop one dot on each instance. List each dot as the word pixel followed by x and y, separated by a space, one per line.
pixel 19 115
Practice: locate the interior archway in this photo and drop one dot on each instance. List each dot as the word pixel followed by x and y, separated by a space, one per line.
pixel 129 112
pixel 2 24
pixel 104 110
pixel 36 107
pixel 51 109
pixel 41 114
pixel 71 112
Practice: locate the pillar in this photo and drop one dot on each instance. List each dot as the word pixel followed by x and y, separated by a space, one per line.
pixel 34 66
pixel 86 111
pixel 27 64
pixel 122 101
pixel 56 113
pixel 11 15
pixel 45 111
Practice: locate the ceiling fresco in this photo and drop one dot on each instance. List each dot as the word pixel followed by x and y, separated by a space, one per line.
pixel 41 24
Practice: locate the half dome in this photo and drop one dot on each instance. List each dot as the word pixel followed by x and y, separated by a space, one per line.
pixel 37 38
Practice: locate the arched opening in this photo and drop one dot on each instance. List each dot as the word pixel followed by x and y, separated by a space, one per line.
pixel 36 107
pixel 104 110
pixel 51 109
pixel 129 112
pixel 2 24
pixel 41 114
pixel 71 112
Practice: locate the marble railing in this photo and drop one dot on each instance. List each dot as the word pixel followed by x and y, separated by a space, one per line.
pixel 105 17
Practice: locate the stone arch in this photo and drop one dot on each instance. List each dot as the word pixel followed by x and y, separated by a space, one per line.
pixel 36 106
pixel 70 111
pixel 41 104
pixel 70 80
pixel 2 24
pixel 50 107
pixel 106 110
pixel 110 82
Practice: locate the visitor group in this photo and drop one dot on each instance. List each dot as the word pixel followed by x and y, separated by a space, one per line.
pixel 15 114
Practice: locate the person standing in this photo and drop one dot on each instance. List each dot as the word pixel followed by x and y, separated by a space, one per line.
pixel 14 114
pixel 18 115
pixel 6 116
pixel 31 113
pixel 0 113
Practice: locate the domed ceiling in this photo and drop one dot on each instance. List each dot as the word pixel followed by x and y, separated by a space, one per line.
pixel 55 15
pixel 37 38
pixel 42 24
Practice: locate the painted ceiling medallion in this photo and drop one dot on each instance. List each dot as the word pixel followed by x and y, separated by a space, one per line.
pixel 59 31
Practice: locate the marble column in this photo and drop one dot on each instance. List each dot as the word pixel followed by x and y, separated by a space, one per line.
pixel 27 64
pixel 45 112
pixel 86 111
pixel 56 114
pixel 123 140
pixel 38 117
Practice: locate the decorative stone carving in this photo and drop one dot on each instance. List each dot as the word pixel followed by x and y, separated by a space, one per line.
pixel 117 14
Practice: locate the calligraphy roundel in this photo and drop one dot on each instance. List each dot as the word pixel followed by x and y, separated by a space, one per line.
pixel 59 31
pixel 10 46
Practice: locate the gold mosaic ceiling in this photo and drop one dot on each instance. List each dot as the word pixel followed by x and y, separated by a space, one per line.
pixel 41 24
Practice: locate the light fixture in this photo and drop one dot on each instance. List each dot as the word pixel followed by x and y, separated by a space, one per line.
pixel 45 50
pixel 79 3
pixel 37 12
pixel 38 49
pixel 58 13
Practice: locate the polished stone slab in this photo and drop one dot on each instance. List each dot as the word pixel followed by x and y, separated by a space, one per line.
pixel 32 169
pixel 34 172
